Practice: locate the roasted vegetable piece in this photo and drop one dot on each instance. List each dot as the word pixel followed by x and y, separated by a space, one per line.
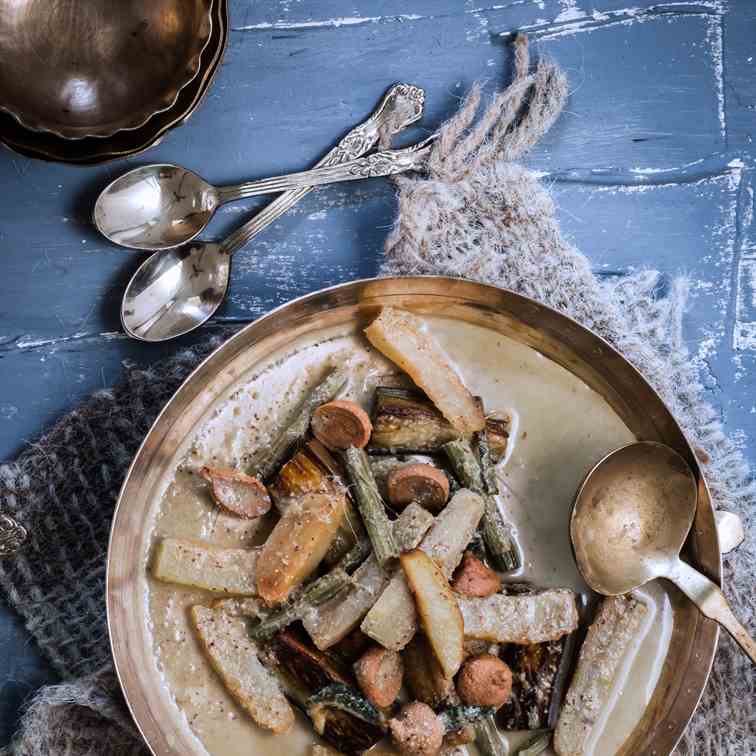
pixel 497 533
pixel 295 426
pixel 318 592
pixel 371 506
pixel 311 668
pixel 532 618
pixel 424 484
pixel 340 424
pixel 204 565
pixel 437 608
pixel 393 619
pixel 498 428
pixel 236 492
pixel 300 475
pixel 351 647
pixel 534 669
pixel 455 717
pixel 314 469
pixel 473 578
pixel 406 421
pixel 616 625
pixel 297 543
pixel 305 671
pixel 417 730
pixel 379 674
pixel 404 339
pixel 477 473
pixel 423 674
pixel 233 656
pixel 332 621
pixel 462 736
pixel 484 680
pixel 364 723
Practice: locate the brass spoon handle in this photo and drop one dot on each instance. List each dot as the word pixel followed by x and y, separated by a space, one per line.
pixel 399 108
pixel 711 601
pixel 384 163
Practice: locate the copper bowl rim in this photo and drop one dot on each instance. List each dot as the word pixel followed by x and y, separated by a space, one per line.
pixel 36 152
pixel 676 696
pixel 167 101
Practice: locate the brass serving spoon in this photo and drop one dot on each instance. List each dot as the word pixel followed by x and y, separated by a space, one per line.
pixel 162 206
pixel 630 520
pixel 175 291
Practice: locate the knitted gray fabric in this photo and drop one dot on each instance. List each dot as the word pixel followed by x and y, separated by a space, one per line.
pixel 477 215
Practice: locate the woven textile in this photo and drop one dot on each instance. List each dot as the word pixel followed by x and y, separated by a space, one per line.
pixel 477 214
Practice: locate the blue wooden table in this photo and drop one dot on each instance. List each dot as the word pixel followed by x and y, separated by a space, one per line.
pixel 652 165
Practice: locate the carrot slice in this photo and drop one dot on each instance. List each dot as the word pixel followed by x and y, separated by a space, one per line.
pixel 340 424
pixel 236 492
pixel 425 484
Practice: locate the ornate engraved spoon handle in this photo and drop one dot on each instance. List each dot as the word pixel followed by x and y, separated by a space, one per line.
pixel 12 536
pixel 400 107
pixel 385 163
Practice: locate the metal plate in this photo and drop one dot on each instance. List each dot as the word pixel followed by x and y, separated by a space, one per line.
pixel 106 66
pixel 93 150
pixel 561 340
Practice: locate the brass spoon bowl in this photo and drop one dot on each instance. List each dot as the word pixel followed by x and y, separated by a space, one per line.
pixel 92 69
pixel 631 518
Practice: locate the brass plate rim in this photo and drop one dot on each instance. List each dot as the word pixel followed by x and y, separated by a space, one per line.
pixel 665 719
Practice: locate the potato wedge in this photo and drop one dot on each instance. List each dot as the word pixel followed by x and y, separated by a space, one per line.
pixel 437 609
pixel 402 337
pixel 297 543
pixel 329 623
pixel 392 620
pixel 233 656
pixel 424 676
pixel 204 565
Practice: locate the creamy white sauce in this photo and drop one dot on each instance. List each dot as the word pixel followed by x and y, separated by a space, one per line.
pixel 562 427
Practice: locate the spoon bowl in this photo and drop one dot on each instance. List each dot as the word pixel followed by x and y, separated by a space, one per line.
pixel 632 516
pixel 155 207
pixel 175 291
pixel 630 520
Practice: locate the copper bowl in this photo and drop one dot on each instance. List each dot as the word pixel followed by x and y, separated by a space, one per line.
pixel 94 150
pixel 90 69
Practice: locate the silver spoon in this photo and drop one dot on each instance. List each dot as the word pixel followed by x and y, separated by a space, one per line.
pixel 631 518
pixel 162 206
pixel 175 291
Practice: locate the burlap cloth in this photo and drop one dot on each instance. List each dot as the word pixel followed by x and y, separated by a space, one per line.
pixel 476 214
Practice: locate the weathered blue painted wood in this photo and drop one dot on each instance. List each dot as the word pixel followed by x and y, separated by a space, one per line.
pixel 652 166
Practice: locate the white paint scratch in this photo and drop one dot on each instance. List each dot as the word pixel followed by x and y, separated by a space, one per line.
pixel 744 331
pixel 335 23
pixel 573 20
pixel 715 44
pixel 332 23
pixel 25 343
